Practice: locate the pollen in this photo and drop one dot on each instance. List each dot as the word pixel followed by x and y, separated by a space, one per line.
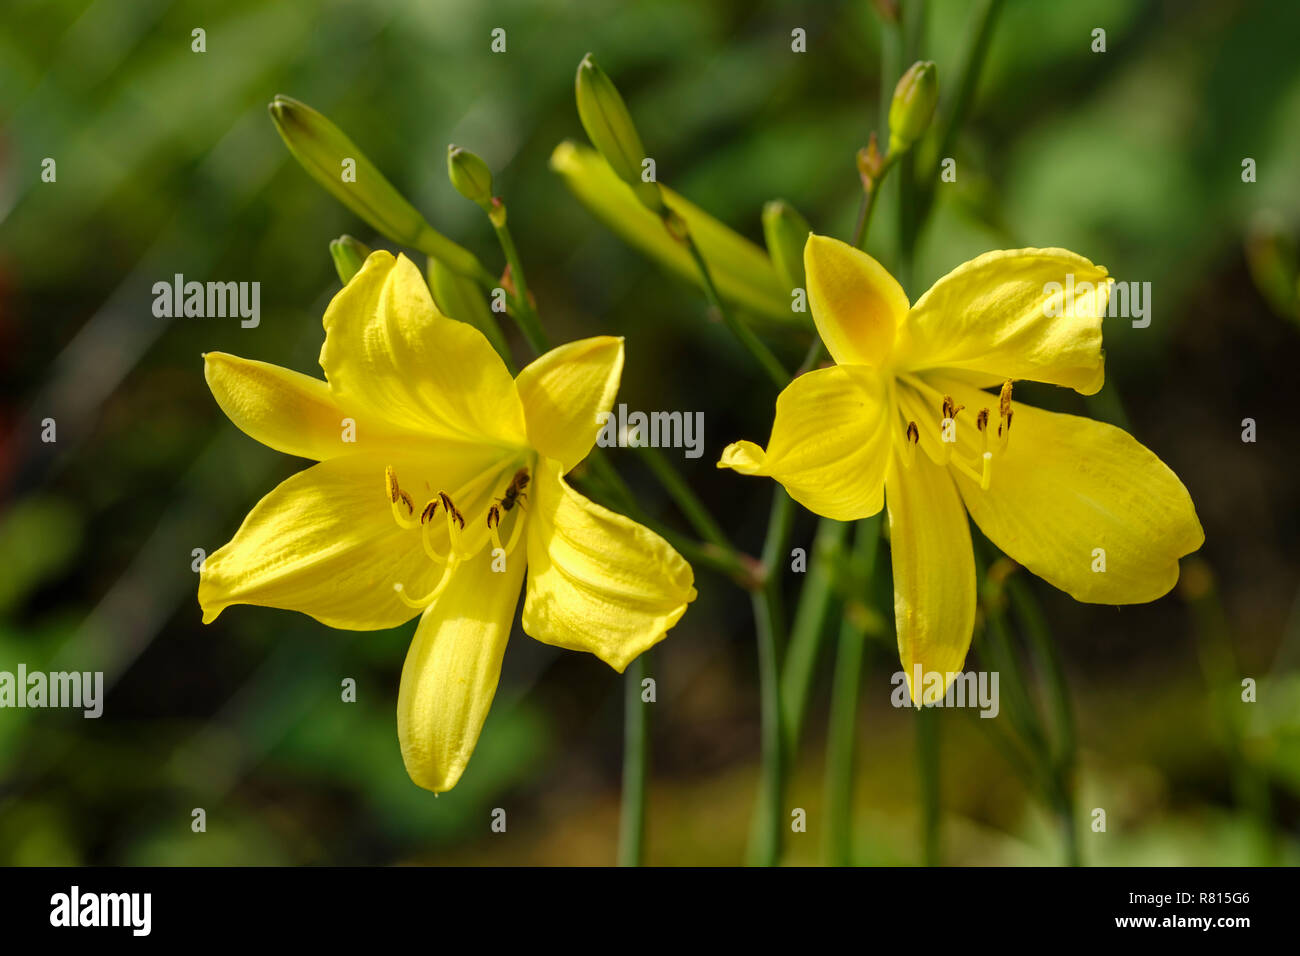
pixel 394 490
pixel 1004 400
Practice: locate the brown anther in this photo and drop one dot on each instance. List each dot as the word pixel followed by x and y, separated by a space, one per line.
pixel 406 500
pixel 913 433
pixel 493 516
pixel 982 419
pixel 429 511
pixel 950 408
pixel 1004 400
pixel 390 477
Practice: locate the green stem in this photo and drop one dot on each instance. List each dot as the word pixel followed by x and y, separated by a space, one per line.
pixel 809 627
pixel 968 79
pixel 869 198
pixel 769 821
pixel 927 762
pixel 524 314
pixel 769 363
pixel 705 525
pixel 842 729
pixel 636 760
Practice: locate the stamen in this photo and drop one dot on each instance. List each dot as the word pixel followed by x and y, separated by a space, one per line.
pixel 426 532
pixel 1005 411
pixel 400 502
pixel 909 445
pixel 420 604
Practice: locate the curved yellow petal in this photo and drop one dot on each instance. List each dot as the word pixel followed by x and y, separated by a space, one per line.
pixel 288 411
pixel 1015 313
pixel 565 390
pixel 855 302
pixel 934 574
pixel 1070 496
pixel 830 442
pixel 389 353
pixel 598 581
pixel 324 542
pixel 452 669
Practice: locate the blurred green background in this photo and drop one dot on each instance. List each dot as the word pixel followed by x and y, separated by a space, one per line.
pixel 167 162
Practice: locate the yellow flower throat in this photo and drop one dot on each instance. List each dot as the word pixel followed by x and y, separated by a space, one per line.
pixel 462 544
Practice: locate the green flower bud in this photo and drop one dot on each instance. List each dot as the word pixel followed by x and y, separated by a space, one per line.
pixel 786 233
pixel 334 161
pixel 913 105
pixel 470 175
pixel 348 254
pixel 610 128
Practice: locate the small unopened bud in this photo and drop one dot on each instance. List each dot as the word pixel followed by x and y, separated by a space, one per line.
pixel 348 255
pixel 913 105
pixel 786 233
pixel 610 128
pixel 470 175
pixel 336 162
pixel 871 165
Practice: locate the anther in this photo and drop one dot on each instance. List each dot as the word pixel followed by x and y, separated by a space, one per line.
pixel 399 501
pixel 909 445
pixel 429 511
pixel 1004 400
pixel 493 516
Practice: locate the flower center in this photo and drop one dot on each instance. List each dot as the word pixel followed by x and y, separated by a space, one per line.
pixel 463 541
pixel 974 462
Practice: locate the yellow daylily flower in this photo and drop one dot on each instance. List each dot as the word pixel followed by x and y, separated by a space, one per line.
pixel 1079 503
pixel 438 479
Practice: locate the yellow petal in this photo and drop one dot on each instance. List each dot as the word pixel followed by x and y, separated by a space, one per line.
pixel 288 411
pixel 452 669
pixel 598 581
pixel 934 573
pixel 389 353
pixel 830 443
pixel 855 302
pixel 990 316
pixel 564 390
pixel 1067 486
pixel 324 542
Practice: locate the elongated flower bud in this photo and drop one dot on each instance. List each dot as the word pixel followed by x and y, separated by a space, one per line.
pixel 610 128
pixel 786 232
pixel 335 162
pixel 913 105
pixel 470 175
pixel 348 254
